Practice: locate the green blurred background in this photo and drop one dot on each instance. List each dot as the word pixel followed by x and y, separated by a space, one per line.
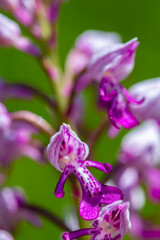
pixel 129 19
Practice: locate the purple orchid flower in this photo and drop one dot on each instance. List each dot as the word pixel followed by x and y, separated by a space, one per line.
pixel 108 67
pixel 10 35
pixel 16 138
pixel 112 224
pixel 5 235
pixel 68 154
pixel 11 210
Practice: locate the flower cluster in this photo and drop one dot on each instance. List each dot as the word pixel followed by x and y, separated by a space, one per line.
pixel 106 210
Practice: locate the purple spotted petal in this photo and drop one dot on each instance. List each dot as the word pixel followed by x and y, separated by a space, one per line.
pixel 93 192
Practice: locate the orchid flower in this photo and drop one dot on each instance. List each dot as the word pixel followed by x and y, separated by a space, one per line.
pixel 68 155
pixel 112 224
pixel 108 67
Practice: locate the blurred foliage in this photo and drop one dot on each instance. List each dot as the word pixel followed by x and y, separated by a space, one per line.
pixel 129 19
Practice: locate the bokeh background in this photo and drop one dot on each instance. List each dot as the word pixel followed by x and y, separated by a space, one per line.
pixel 128 18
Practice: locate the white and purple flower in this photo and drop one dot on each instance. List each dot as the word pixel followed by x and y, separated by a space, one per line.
pixel 109 62
pixel 112 224
pixel 68 154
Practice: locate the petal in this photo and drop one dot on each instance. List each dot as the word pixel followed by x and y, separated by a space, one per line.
pixel 149 90
pixel 91 41
pixel 129 97
pixel 111 194
pixel 88 211
pixel 66 144
pixel 118 60
pixel 5 235
pixel 122 117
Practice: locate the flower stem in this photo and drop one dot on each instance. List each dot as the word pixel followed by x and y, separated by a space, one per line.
pixel 47 214
pixel 96 134
pixel 35 120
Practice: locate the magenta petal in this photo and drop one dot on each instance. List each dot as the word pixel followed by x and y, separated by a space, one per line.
pixel 129 97
pixel 88 211
pixel 111 194
pixel 59 194
pixel 78 233
pixel 122 117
